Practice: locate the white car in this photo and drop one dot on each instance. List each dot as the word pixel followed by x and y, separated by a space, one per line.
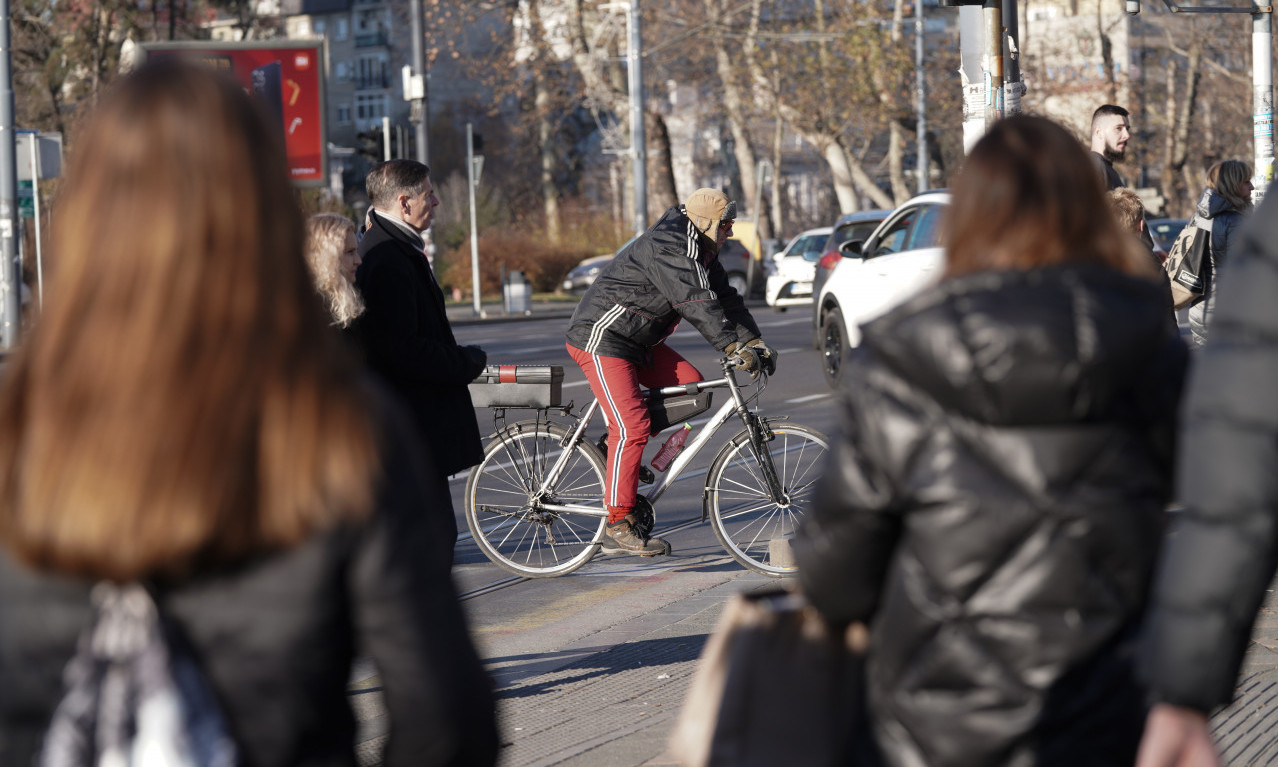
pixel 790 280
pixel 900 258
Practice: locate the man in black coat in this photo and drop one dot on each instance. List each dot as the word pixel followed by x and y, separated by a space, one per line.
pixel 405 329
pixel 1111 130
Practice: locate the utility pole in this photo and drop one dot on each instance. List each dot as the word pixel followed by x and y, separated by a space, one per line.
pixel 992 12
pixel 420 106
pixel 10 268
pixel 638 141
pixel 471 180
pixel 920 88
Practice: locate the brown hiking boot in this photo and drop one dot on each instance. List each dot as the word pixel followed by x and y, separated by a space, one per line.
pixel 621 538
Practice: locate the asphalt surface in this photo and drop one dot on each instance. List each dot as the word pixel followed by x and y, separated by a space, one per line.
pixel 592 668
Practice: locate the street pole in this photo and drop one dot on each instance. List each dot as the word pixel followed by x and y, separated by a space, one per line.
pixel 993 15
pixel 920 88
pixel 474 231
pixel 638 141
pixel 10 268
pixel 1262 64
pixel 1013 86
pixel 420 106
pixel 386 147
pixel 972 71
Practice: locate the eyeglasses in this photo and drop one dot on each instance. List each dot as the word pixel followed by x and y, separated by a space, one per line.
pixel 725 224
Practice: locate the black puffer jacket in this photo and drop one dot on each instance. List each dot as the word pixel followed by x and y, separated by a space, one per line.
pixel 671 271
pixel 1221 552
pixel 1226 220
pixel 276 635
pixel 993 509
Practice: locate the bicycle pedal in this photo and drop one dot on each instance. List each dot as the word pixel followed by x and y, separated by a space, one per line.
pixel 646 477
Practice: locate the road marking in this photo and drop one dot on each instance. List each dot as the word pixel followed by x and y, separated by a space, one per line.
pixel 808 398
pixel 793 350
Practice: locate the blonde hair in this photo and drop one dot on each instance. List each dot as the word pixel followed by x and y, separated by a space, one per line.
pixel 1028 197
pixel 180 402
pixel 1127 208
pixel 325 242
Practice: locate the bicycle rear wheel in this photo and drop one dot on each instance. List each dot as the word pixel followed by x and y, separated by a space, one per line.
pixel 510 523
pixel 752 527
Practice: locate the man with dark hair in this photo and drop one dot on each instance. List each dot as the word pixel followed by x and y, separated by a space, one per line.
pixel 405 330
pixel 1111 130
pixel 617 336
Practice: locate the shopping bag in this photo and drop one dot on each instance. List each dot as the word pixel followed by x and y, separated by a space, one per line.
pixel 776 685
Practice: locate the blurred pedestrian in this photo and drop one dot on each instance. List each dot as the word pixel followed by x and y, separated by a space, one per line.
pixel 1225 202
pixel 181 417
pixel 405 329
pixel 332 253
pixel 1130 213
pixel 1111 130
pixel 993 506
pixel 1221 551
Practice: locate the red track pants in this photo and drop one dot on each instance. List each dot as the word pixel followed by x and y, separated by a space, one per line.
pixel 618 385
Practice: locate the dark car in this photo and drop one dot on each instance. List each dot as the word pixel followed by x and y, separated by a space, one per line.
pixel 1164 231
pixel 849 227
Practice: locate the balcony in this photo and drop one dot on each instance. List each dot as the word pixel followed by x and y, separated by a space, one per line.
pixel 371 82
pixel 377 39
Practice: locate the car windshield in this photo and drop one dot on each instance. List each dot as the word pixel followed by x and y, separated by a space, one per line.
pixel 857 230
pixel 809 247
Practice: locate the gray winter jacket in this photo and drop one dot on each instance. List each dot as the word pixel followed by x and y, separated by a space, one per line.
pixel 1221 552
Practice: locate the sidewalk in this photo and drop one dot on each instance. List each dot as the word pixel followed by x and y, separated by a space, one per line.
pixel 494 312
pixel 1247 731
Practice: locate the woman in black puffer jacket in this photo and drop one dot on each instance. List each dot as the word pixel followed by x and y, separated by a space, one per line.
pixel 994 505
pixel 1226 202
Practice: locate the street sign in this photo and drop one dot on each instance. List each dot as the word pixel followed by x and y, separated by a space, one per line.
pixel 26 199
pixel 47 157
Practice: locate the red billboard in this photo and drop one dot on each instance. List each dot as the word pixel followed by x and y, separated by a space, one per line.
pixel 287 76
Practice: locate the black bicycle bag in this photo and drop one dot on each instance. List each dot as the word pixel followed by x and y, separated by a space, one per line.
pixel 665 412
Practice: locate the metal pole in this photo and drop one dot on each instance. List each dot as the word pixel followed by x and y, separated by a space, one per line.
pixel 386 147
pixel 920 89
pixel 35 198
pixel 420 108
pixel 1013 87
pixel 638 141
pixel 10 267
pixel 1262 64
pixel 993 12
pixel 474 232
pixel 972 72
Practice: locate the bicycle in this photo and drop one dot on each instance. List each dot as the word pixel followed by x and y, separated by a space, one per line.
pixel 535 503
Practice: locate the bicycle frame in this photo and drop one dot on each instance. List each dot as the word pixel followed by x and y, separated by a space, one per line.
pixel 736 405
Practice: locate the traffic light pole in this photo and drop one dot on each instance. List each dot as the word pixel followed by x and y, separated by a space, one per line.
pixel 10 268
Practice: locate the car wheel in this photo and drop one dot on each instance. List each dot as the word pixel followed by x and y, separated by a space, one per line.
pixel 834 348
pixel 738 282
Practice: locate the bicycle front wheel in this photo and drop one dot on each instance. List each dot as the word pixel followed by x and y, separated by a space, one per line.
pixel 508 516
pixel 755 529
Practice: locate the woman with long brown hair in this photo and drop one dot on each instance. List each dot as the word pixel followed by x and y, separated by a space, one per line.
pixel 180 416
pixel 992 509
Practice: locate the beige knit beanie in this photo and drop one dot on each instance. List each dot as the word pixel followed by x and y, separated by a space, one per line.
pixel 707 207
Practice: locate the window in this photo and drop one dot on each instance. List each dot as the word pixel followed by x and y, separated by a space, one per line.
pixel 343 114
pixel 370 108
pixel 371 72
pixel 341 71
pixel 927 232
pixel 894 237
pixel 341 32
pixel 317 26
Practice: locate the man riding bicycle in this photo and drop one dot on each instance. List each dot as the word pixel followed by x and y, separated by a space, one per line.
pixel 618 333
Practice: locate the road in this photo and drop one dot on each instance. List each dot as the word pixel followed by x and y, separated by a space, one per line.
pixel 591 667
